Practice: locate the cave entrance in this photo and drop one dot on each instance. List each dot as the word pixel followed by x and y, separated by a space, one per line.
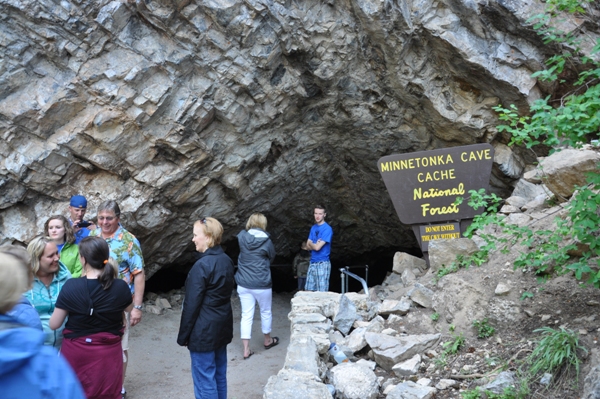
pixel 380 263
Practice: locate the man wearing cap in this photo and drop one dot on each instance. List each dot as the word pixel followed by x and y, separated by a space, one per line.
pixel 77 208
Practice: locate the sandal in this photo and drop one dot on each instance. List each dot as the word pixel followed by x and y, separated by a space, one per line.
pixel 274 342
pixel 248 357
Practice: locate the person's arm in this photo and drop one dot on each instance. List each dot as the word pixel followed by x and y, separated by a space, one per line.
pixel 315 246
pixel 58 318
pixel 195 288
pixel 139 284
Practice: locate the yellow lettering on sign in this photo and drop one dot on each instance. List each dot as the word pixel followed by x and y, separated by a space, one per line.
pixel 418 193
pixel 440 210
pixel 438 175
pixel 475 155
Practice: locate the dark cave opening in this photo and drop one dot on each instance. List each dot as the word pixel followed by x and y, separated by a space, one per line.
pixel 380 262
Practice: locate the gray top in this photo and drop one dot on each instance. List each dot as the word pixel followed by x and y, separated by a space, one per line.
pixel 254 263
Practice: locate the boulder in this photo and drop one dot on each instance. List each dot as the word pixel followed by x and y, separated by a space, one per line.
pixel 345 316
pixel 442 253
pixel 421 295
pixel 411 390
pixel 566 169
pixel 389 351
pixel 354 381
pixel 291 384
pixel 403 261
pixel 408 367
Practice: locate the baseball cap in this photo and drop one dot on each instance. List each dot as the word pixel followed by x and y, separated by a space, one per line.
pixel 78 201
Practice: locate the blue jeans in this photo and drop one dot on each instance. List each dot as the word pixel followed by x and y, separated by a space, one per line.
pixel 209 372
pixel 301 283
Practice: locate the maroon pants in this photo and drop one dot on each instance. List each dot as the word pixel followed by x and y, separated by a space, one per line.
pixel 97 360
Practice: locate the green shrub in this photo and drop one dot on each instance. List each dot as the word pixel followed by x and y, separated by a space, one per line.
pixel 484 330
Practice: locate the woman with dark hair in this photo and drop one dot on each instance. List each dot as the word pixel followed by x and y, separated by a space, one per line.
pixel 95 306
pixel 206 318
pixel 58 228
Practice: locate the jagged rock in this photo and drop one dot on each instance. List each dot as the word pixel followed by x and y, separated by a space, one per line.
pixel 151 296
pixel 411 390
pixel 443 252
pixel 403 261
pixel 591 385
pixel 390 306
pixel 325 302
pixel 291 384
pixel 408 367
pixel 535 204
pixel 568 168
pixel 421 295
pixel 163 303
pixel 533 176
pixel 184 109
pixel 319 332
pixel 504 380
pixel 502 289
pixel 389 351
pixel 519 219
pixel 516 201
pixel 345 316
pixel 446 383
pixel 503 311
pixel 302 355
pixel 354 381
pixel 506 209
pixel 507 161
pixel 356 340
pixel 424 382
pixel 529 191
pixel 408 277
pixel 153 309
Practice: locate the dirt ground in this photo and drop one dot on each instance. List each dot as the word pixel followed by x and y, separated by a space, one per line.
pixel 159 368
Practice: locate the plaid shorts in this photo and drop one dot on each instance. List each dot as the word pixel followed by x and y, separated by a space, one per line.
pixel 317 278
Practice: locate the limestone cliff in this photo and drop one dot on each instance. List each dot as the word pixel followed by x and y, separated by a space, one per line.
pixel 179 109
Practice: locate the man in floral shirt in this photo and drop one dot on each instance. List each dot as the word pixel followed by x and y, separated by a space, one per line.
pixel 126 250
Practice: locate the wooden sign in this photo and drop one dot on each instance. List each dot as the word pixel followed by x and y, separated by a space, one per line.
pixel 424 185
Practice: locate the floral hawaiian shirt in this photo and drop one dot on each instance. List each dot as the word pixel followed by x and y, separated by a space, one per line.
pixel 126 250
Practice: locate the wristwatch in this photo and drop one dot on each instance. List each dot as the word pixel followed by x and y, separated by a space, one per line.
pixel 138 307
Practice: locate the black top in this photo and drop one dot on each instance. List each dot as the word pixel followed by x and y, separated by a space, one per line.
pixel 93 309
pixel 206 317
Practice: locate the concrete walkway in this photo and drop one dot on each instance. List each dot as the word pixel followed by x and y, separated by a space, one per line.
pixel 160 369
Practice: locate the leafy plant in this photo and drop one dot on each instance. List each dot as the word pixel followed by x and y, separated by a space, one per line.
pixel 484 330
pixel 435 316
pixel 526 294
pixel 556 352
pixel 452 347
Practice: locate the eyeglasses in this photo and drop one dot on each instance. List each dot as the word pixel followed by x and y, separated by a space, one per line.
pixel 107 218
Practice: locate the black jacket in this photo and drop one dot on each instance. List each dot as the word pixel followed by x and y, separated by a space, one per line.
pixel 254 263
pixel 206 318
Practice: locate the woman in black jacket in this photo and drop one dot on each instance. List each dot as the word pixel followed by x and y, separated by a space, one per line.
pixel 253 278
pixel 206 319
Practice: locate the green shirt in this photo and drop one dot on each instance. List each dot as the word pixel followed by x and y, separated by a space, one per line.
pixel 69 256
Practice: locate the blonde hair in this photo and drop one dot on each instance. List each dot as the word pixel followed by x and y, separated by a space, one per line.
pixel 36 249
pixel 257 220
pixel 14 279
pixel 69 234
pixel 212 229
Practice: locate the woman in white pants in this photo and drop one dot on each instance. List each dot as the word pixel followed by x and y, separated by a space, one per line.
pixel 253 278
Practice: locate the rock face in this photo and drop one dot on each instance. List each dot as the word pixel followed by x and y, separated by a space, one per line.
pixel 182 109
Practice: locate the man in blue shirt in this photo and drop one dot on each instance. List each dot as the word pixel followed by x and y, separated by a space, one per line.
pixel 77 208
pixel 319 243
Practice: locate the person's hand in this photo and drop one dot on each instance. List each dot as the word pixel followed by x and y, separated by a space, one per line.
pixel 136 316
pixel 92 226
pixel 76 227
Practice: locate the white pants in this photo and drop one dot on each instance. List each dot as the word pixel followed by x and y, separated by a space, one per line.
pixel 248 298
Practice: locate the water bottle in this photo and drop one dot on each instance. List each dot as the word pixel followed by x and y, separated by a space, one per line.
pixel 338 355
